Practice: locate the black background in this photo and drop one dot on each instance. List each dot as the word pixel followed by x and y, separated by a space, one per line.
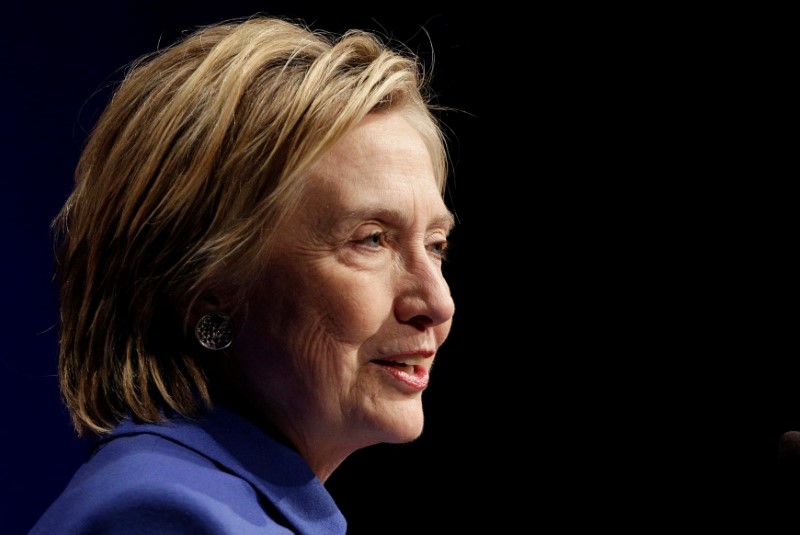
pixel 622 266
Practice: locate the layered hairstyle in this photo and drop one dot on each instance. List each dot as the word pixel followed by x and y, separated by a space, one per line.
pixel 198 157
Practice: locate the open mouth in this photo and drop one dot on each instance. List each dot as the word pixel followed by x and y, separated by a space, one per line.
pixel 401 366
pixel 413 376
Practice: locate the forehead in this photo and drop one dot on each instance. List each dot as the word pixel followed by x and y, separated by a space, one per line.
pixel 380 171
pixel 384 159
pixel 380 139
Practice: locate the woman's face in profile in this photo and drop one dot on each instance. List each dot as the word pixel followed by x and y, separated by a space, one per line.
pixel 343 330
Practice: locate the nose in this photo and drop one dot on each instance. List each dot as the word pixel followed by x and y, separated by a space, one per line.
pixel 424 299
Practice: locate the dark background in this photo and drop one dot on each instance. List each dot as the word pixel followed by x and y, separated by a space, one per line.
pixel 622 266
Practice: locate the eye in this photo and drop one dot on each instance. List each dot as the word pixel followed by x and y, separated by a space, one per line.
pixel 439 249
pixel 374 240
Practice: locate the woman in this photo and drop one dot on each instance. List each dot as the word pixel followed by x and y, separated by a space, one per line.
pixel 251 285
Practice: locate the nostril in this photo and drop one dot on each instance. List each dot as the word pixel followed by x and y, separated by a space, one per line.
pixel 420 322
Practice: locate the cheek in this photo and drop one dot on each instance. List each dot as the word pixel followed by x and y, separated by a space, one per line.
pixel 286 337
pixel 355 310
pixel 320 330
pixel 323 316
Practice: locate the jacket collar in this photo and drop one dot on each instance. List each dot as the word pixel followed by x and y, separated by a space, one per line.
pixel 273 468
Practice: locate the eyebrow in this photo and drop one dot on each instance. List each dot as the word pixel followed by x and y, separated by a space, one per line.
pixel 445 219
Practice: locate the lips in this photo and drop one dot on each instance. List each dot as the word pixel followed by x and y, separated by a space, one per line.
pixel 408 371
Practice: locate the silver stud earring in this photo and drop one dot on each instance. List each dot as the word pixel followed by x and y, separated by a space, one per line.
pixel 214 331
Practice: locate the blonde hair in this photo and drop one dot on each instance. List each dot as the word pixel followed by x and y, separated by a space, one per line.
pixel 198 156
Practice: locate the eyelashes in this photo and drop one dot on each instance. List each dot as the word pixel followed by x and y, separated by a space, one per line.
pixel 380 239
pixel 375 240
pixel 439 249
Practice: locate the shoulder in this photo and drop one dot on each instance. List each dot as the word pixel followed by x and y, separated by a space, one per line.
pixel 132 484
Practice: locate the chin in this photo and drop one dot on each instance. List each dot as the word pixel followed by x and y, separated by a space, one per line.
pixel 405 438
pixel 403 426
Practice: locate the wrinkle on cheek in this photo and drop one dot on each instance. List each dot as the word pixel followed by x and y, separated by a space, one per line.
pixel 328 354
pixel 317 357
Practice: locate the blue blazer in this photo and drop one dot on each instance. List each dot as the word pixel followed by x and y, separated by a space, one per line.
pixel 217 475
